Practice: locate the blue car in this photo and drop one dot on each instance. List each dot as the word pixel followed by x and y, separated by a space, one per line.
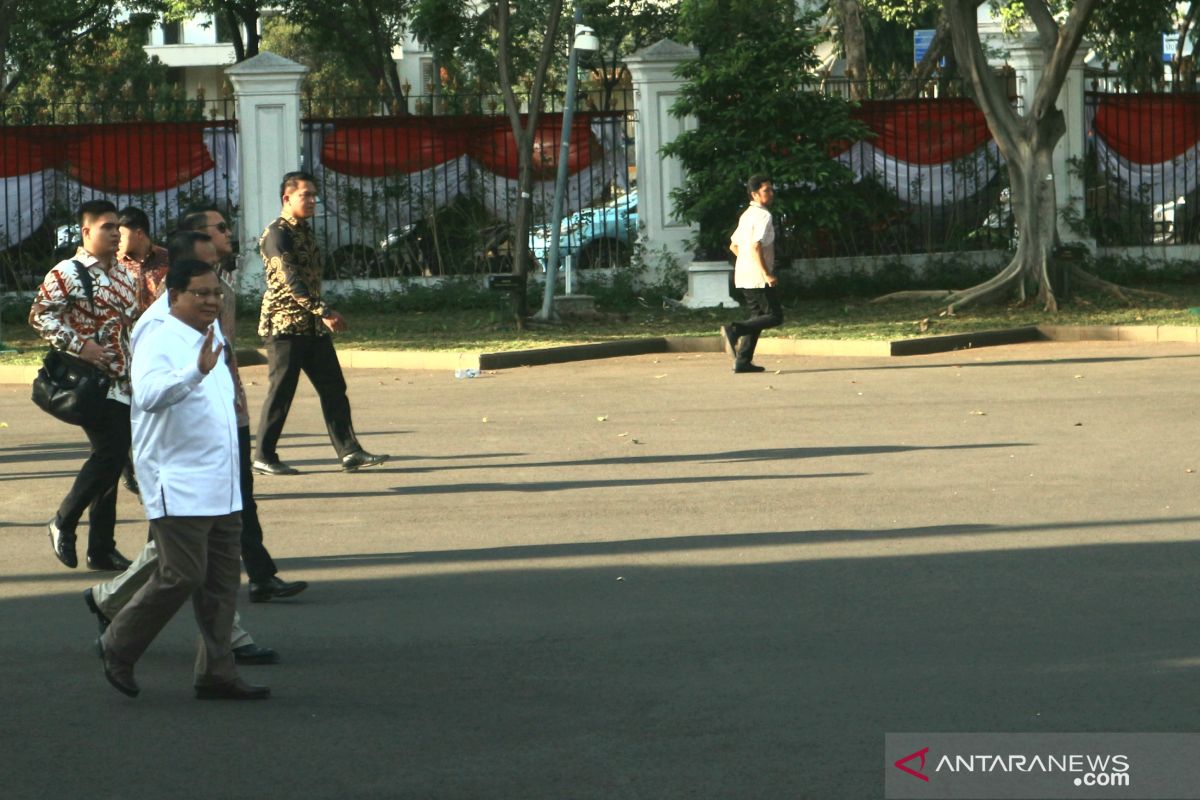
pixel 597 237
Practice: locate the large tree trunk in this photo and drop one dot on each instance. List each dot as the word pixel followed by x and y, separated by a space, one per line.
pixel 523 134
pixel 854 42
pixel 1027 143
pixel 1034 209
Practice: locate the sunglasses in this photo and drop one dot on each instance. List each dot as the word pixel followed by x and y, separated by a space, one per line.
pixel 223 227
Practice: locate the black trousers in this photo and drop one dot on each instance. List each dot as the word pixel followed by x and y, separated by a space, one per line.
pixel 765 312
pixel 259 566
pixel 287 357
pixel 95 486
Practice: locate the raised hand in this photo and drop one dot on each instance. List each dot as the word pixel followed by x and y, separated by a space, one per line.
pixel 208 356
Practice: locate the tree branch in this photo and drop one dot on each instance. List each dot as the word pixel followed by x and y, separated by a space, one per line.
pixel 1057 66
pixel 990 93
pixel 1043 20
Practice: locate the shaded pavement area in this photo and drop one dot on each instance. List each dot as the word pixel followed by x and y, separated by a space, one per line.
pixel 650 578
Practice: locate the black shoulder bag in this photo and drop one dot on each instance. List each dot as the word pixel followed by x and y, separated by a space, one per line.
pixel 67 387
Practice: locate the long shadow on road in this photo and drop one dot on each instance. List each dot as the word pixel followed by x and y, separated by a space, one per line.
pixel 644 681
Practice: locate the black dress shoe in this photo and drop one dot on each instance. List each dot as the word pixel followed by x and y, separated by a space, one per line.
pixel 101 620
pixel 360 460
pixel 62 543
pixel 748 368
pixel 273 587
pixel 118 673
pixel 236 689
pixel 254 655
pixel 112 561
pixel 273 468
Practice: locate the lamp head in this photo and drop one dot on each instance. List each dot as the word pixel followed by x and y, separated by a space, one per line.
pixel 585 38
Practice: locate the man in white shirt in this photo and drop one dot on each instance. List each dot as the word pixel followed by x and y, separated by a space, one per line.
pixel 185 448
pixel 107 598
pixel 753 245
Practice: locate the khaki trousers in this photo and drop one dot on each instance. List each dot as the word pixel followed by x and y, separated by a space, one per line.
pixel 113 595
pixel 200 558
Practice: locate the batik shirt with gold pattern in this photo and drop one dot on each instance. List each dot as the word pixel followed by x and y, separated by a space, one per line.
pixel 292 263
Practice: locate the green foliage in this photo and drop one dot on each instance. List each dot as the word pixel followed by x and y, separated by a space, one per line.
pixel 110 67
pixel 330 73
pixel 752 92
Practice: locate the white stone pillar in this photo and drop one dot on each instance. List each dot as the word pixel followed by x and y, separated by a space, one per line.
pixel 655 88
pixel 267 90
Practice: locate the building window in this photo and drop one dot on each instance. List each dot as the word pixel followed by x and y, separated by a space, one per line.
pixel 172 33
pixel 426 76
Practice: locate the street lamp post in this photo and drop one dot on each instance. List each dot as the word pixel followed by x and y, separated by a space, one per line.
pixel 582 38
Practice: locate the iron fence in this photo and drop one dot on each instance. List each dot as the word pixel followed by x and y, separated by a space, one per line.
pixel 433 190
pixel 1140 168
pixel 928 177
pixel 160 157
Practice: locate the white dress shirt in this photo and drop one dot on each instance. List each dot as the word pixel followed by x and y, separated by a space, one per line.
pixel 185 444
pixel 754 227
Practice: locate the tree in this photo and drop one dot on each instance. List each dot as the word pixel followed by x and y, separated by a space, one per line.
pixel 105 76
pixel 624 27
pixel 329 75
pixel 365 33
pixel 241 18
pixel 439 25
pixel 752 93
pixel 876 39
pixel 524 132
pixel 38 34
pixel 1027 142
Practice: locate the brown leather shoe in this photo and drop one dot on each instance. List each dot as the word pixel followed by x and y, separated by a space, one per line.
pixel 236 689
pixel 118 673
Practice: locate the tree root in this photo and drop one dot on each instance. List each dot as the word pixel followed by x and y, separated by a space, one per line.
pixel 1122 293
pixel 931 294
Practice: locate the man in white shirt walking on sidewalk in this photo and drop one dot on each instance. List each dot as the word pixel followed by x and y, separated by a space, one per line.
pixel 753 245
pixel 185 449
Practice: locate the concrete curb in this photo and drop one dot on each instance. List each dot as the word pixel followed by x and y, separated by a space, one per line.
pixel 451 360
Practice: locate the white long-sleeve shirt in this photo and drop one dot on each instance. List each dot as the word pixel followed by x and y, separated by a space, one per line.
pixel 185 444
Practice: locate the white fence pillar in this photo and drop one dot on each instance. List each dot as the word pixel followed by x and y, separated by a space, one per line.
pixel 655 88
pixel 267 90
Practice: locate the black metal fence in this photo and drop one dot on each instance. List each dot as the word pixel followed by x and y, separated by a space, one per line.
pixel 434 191
pixel 1140 169
pixel 928 179
pixel 160 157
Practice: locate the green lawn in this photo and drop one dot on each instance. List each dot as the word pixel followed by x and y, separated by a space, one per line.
pixel 492 330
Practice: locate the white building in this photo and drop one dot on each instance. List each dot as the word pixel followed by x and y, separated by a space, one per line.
pixel 201 48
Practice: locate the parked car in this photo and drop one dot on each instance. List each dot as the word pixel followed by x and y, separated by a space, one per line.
pixel 596 237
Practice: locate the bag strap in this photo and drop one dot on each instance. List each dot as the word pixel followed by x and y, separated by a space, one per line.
pixel 85 278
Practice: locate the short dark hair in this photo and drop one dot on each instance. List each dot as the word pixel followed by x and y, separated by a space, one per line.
pixel 756 182
pixel 294 179
pixel 182 246
pixel 133 217
pixel 195 218
pixel 94 208
pixel 180 273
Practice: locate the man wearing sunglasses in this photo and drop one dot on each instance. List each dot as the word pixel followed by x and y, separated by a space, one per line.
pixel 265 583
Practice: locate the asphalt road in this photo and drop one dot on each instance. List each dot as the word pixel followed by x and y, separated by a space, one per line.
pixel 649 578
